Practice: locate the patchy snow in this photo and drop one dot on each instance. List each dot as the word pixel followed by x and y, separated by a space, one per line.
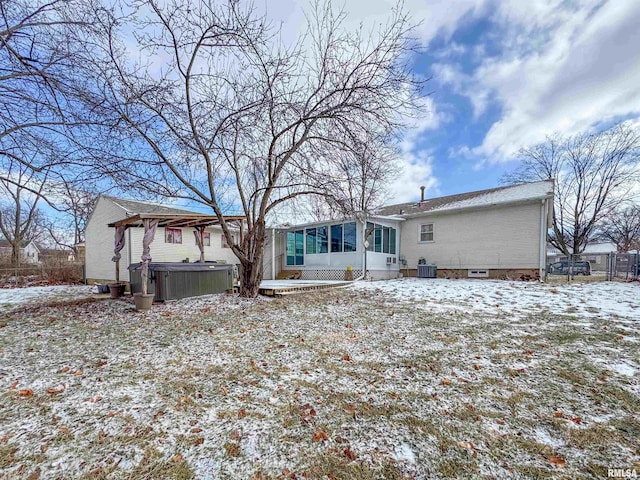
pixel 500 297
pixel 623 368
pixel 399 379
pixel 525 191
pixel 14 297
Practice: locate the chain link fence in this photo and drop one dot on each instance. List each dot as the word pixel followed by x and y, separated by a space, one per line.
pixel 604 266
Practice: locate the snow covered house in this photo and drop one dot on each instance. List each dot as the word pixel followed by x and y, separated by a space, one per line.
pixel 171 244
pixel 495 233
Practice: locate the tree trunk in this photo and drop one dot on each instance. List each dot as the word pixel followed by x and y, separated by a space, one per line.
pixel 15 254
pixel 251 275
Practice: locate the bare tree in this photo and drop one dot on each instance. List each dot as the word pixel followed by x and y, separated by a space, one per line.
pixel 594 174
pixel 74 200
pixel 20 217
pixel 622 227
pixel 234 119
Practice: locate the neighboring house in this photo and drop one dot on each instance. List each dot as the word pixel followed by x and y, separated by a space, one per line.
pixel 29 251
pixel 495 233
pixel 169 245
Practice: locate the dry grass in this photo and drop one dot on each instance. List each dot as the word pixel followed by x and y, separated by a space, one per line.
pixel 338 384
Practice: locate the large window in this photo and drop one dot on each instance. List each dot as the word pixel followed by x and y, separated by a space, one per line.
pixel 426 232
pixel 392 242
pixel 381 239
pixel 350 237
pixel 312 238
pixel 172 235
pixel 336 238
pixel 323 239
pixel 295 247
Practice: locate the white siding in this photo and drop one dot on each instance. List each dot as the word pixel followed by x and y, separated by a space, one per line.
pixel 100 238
pixel 493 238
pixel 176 252
pixel 99 242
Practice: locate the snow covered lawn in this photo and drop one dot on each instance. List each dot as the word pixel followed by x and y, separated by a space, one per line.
pixel 400 379
pixel 11 298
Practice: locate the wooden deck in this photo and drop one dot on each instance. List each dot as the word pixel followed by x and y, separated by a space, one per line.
pixel 280 288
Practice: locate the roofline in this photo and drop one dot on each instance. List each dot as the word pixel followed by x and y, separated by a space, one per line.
pixel 522 201
pixel 389 218
pixel 487 190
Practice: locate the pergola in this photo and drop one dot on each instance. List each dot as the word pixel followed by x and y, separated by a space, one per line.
pixel 151 221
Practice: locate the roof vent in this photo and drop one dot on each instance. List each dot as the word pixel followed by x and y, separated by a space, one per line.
pixel 422 194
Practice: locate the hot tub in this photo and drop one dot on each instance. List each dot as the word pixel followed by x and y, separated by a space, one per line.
pixel 170 281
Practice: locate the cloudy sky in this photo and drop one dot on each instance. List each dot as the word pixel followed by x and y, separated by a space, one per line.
pixel 504 74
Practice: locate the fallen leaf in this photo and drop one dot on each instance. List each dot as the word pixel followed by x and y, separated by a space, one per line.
pixel 235 435
pixel 557 461
pixel 576 420
pixel 25 392
pixel 196 430
pixel 242 413
pixel 224 389
pixel 477 367
pixel 76 373
pixel 198 441
pixel 14 385
pixel 177 458
pixel 35 475
pixel 95 399
pixel 320 436
pixel 55 391
pixel 64 369
pixel 558 414
pixel 346 358
pixel 158 414
pixel 446 381
pixel 349 454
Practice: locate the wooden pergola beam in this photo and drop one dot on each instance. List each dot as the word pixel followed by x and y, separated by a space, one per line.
pixel 175 220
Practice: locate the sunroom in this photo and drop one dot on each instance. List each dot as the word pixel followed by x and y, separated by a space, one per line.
pixel 324 250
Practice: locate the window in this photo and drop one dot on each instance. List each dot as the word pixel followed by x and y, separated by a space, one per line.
pixel 172 235
pixel 206 237
pixel 350 237
pixel 392 243
pixel 370 229
pixel 323 239
pixel 336 238
pixel 385 239
pixel 377 239
pixel 225 244
pixel 426 232
pixel 311 240
pixel 295 247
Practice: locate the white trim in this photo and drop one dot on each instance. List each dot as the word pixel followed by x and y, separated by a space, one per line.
pixel 433 233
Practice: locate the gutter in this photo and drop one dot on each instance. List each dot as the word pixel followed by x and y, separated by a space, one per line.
pixel 543 239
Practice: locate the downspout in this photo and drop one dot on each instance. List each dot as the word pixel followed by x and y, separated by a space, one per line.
pixel 543 240
pixel 129 251
pixel 364 252
pixel 273 253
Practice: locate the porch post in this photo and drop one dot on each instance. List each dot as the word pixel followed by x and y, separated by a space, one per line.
pixel 149 232
pixel 199 234
pixel 117 248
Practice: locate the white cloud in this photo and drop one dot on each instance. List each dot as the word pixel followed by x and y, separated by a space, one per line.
pixel 564 68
